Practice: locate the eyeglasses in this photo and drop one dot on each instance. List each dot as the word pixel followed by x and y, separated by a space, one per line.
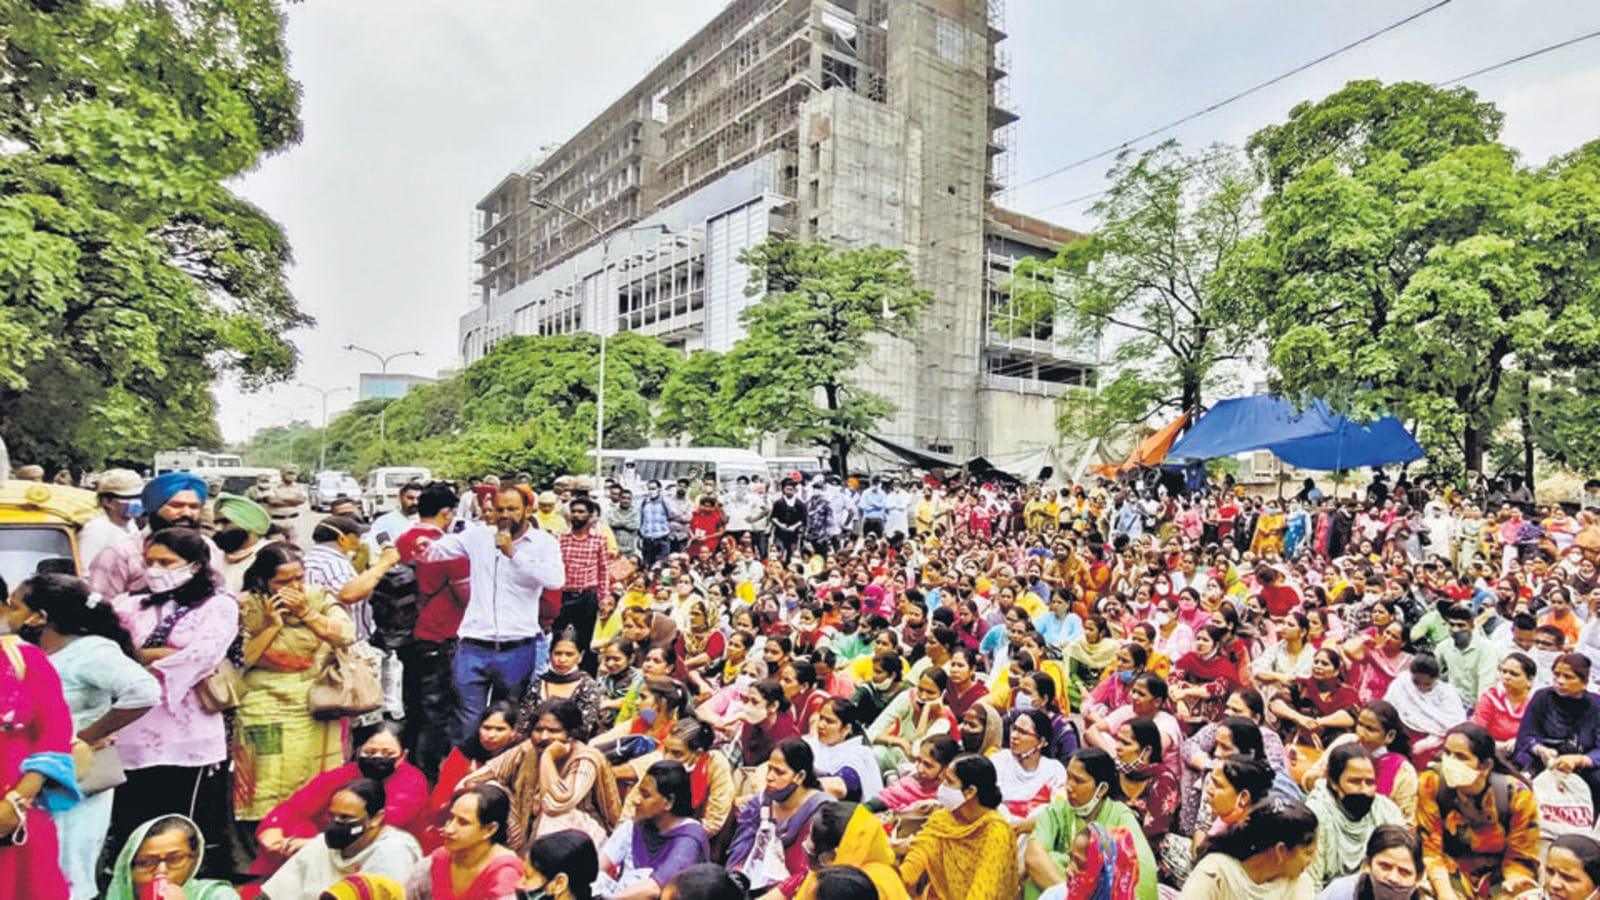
pixel 149 865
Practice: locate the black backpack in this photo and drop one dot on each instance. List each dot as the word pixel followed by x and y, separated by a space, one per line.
pixel 396 602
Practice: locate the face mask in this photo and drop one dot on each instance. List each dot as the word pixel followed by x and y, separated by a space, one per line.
pixel 950 797
pixel 378 768
pixel 1457 774
pixel 743 681
pixel 883 684
pixel 340 835
pixel 782 794
pixel 1382 890
pixel 1356 806
pixel 230 541
pixel 807 627
pixel 1125 677
pixel 1024 701
pixel 165 581
pixel 1461 638
pixel 1163 619
pixel 753 715
pixel 647 716
pixel 1084 810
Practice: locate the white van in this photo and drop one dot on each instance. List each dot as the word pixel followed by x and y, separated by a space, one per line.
pixel 637 468
pixel 380 490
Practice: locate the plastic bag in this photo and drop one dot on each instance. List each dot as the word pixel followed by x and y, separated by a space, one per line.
pixel 1565 805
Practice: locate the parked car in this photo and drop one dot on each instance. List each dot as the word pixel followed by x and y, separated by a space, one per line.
pixel 329 486
pixel 380 491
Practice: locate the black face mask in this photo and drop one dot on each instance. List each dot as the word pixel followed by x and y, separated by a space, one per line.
pixel 1356 806
pixel 230 541
pixel 378 768
pixel 339 835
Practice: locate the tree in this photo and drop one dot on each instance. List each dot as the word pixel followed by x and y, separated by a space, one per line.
pixel 131 277
pixel 1154 278
pixel 694 404
pixel 1408 264
pixel 792 371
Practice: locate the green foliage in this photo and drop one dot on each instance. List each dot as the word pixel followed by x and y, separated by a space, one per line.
pixel 1408 263
pixel 692 404
pixel 1153 277
pixel 298 443
pixel 130 275
pixel 792 372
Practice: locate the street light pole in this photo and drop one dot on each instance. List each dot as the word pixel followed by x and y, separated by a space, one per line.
pixel 606 303
pixel 322 454
pixel 383 365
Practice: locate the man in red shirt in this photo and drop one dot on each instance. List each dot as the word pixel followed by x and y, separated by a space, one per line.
pixel 427 680
pixel 583 553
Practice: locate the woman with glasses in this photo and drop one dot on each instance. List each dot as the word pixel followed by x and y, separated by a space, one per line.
pixel 170 847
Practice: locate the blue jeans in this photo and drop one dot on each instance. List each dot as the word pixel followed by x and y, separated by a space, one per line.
pixel 482 673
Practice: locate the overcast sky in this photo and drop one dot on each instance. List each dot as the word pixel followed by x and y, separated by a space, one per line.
pixel 414 109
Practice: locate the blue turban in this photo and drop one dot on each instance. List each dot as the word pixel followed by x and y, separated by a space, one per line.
pixel 163 487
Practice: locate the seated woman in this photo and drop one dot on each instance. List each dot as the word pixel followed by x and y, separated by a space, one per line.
pixel 884 681
pixel 1392 868
pixel 618 679
pixel 1376 660
pixel 172 847
pixel 909 719
pixel 1147 698
pixel 1572 868
pixel 1203 679
pixel 657 670
pixel 966 687
pixel 1091 799
pixel 561 866
pixel 564 680
pixel 1379 732
pixel 710 774
pixel 966 850
pixel 1199 750
pixel 1263 856
pixel 364 887
pixel 1039 689
pixel 1115 690
pixel 1479 826
pixel 1349 809
pixel 787 807
pixel 799 682
pixel 765 724
pixel 304 815
pixel 1428 707
pixel 845 764
pixel 474 863
pixel 662 701
pixel 495 732
pixel 356 840
pixel 659 841
pixel 555 781
pixel 704 642
pixel 1148 787
pixel 1028 780
pixel 1240 739
pixel 1501 708
pixel 1561 728
pixel 847 835
pixel 1088 658
pixel 1317 709
pixel 916 792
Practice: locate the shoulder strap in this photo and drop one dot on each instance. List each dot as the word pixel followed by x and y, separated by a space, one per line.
pixel 1499 783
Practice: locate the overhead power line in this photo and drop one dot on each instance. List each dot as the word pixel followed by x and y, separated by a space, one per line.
pixel 1551 48
pixel 1235 97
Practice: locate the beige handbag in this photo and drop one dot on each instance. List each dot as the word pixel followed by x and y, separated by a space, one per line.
pixel 222 690
pixel 347 686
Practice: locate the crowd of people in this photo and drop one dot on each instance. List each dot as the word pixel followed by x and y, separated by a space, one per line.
pixel 829 688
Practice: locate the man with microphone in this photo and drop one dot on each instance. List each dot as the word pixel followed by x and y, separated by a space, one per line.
pixel 501 645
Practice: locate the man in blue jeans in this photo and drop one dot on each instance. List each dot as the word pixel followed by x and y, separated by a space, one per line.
pixel 501 643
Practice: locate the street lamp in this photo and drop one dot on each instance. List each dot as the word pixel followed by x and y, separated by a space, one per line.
pixel 608 302
pixel 383 364
pixel 322 454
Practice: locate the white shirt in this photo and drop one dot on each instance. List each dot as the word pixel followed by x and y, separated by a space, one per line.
pixel 99 533
pixel 505 590
pixel 314 868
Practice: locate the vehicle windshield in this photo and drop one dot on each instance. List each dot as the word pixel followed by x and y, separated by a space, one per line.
pixel 24 547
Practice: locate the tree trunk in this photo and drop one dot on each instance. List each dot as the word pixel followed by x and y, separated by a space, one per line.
pixel 1527 433
pixel 838 441
pixel 1191 396
pixel 1472 450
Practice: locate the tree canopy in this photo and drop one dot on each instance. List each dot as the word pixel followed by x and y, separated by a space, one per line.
pixel 131 276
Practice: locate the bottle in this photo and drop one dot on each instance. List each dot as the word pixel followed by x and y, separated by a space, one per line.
pixel 156 889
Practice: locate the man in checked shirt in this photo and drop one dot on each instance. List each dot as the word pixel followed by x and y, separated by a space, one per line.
pixel 583 553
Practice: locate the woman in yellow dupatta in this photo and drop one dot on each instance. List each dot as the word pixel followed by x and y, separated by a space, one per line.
pixel 965 851
pixel 862 845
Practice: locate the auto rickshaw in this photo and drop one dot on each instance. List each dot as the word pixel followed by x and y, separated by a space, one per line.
pixel 39 526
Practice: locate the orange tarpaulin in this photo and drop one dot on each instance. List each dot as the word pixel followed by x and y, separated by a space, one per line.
pixel 1150 452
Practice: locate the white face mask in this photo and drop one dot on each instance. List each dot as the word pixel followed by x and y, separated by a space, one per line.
pixel 1456 773
pixel 161 581
pixel 950 797
pixel 1024 701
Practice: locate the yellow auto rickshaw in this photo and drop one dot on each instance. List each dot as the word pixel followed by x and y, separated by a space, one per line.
pixel 39 526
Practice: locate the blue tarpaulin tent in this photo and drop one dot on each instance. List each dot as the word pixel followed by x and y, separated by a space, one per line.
pixel 1312 438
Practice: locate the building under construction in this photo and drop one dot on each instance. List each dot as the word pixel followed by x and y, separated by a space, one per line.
pixel 853 122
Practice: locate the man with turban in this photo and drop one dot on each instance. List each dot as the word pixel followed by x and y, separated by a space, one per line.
pixel 172 500
pixel 241 524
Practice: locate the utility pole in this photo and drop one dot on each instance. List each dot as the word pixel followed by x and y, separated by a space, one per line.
pixel 383 367
pixel 322 454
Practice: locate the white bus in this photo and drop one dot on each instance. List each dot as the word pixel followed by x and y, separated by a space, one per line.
pixel 636 468
pixel 190 459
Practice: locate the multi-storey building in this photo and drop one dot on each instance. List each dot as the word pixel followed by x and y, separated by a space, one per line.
pixel 848 121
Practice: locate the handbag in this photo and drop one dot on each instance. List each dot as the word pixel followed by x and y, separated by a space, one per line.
pixel 222 690
pixel 104 773
pixel 347 686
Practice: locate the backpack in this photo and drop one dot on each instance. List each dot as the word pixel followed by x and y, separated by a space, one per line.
pixel 397 601
pixel 1501 785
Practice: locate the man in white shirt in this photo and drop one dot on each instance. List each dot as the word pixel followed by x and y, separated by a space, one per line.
pixel 501 645
pixel 118 492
